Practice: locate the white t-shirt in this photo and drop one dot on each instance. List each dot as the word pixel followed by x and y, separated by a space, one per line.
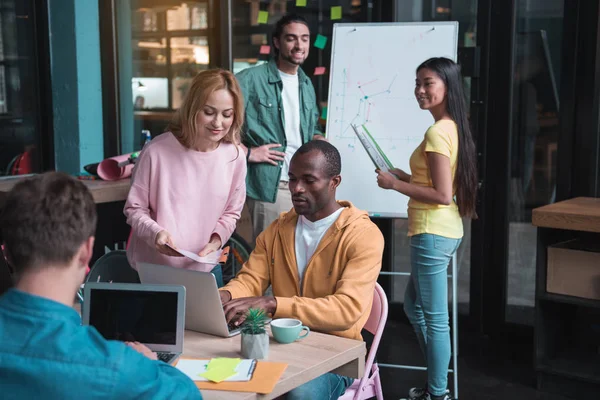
pixel 290 96
pixel 308 237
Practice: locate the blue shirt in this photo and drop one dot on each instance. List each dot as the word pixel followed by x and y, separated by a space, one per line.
pixel 45 353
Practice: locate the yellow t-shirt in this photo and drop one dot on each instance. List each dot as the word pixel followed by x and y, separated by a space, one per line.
pixel 442 138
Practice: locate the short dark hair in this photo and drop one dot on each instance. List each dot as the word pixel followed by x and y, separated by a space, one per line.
pixel 282 23
pixel 331 154
pixel 45 220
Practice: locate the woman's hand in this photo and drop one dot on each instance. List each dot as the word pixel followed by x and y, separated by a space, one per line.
pixel 386 180
pixel 213 245
pixel 162 240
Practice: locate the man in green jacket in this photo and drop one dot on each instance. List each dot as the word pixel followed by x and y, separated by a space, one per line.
pixel 281 115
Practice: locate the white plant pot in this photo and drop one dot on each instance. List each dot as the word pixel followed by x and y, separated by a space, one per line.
pixel 255 346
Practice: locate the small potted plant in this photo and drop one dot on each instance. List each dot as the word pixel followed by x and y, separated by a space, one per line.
pixel 255 341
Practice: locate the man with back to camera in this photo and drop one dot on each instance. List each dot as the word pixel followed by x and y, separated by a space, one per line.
pixel 322 258
pixel 47 226
pixel 281 115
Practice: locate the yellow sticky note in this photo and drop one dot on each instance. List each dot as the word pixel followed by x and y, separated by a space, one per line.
pixel 336 12
pixel 223 362
pixel 263 17
pixel 218 374
pixel 300 3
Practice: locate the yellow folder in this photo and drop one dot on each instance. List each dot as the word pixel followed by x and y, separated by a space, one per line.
pixel 263 380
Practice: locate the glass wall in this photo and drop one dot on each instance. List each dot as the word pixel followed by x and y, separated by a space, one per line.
pixel 251 39
pixel 20 140
pixel 171 41
pixel 534 135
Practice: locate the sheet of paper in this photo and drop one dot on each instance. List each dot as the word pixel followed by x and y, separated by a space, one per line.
pixel 265 49
pixel 212 258
pixel 196 370
pixel 319 70
pixel 300 3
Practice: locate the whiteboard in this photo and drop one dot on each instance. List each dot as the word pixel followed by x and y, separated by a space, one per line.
pixel 372 80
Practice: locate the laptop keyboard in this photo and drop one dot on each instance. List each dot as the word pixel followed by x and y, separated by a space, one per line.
pixel 165 357
pixel 232 327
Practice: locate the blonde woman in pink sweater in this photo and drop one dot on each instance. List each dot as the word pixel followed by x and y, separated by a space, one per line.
pixel 188 186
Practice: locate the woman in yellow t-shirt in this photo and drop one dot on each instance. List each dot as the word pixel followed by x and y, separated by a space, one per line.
pixel 442 188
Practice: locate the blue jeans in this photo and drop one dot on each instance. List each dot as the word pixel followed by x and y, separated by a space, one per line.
pixel 326 387
pixel 217 271
pixel 426 303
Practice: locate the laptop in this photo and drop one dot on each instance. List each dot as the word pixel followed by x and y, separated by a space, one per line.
pixel 150 314
pixel 204 311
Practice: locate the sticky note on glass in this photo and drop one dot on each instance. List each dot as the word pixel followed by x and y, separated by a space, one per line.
pixel 263 17
pixel 324 113
pixel 300 3
pixel 319 70
pixel 336 12
pixel 320 42
pixel 265 49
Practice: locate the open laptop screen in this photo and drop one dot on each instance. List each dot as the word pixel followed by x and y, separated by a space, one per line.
pixel 132 315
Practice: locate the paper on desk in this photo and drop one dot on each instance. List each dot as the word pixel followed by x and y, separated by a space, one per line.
pixel 197 370
pixel 263 380
pixel 212 258
pixel 218 374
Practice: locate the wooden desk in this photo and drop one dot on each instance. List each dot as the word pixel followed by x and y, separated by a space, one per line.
pixel 102 191
pixel 307 359
pixel 578 214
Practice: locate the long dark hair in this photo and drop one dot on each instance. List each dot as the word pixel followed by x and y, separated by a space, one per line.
pixel 466 170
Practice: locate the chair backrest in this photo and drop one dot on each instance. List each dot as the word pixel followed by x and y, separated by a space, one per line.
pixel 375 324
pixel 113 267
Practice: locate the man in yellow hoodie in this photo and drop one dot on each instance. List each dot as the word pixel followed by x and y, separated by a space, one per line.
pixel 322 259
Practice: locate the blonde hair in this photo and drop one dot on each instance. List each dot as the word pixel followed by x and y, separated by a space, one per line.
pixel 184 125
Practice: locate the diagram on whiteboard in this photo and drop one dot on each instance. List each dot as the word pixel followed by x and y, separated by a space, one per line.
pixel 371 97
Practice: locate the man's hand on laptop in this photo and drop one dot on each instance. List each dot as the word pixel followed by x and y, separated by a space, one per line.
pixel 235 310
pixel 140 348
pixel 225 296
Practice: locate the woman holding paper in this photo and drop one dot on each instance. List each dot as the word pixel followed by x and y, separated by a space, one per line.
pixel 188 186
pixel 442 188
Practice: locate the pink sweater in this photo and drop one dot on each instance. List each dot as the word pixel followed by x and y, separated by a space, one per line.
pixel 191 194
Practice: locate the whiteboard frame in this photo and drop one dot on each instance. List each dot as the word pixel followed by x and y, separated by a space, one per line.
pixel 356 26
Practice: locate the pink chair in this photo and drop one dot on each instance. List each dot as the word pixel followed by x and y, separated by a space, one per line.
pixel 370 384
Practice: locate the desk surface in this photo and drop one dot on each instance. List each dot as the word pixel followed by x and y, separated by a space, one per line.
pixel 577 214
pixel 307 359
pixel 102 191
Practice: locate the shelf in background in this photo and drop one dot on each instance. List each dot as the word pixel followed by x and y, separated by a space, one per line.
pixel 561 298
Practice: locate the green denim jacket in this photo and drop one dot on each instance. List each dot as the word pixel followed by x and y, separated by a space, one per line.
pixel 264 122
